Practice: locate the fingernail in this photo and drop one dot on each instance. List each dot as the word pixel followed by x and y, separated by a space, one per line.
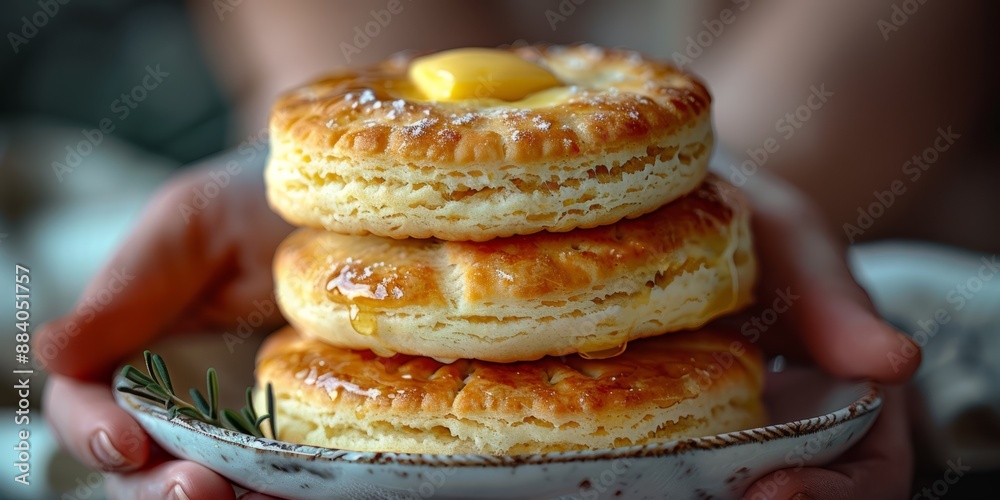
pixel 177 493
pixel 106 453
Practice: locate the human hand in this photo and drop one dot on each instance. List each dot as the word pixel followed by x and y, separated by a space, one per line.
pixel 203 272
pixel 194 262
pixel 810 308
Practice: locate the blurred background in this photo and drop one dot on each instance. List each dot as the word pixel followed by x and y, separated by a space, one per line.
pixel 102 101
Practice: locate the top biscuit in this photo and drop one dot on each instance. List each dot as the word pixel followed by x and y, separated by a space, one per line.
pixel 361 151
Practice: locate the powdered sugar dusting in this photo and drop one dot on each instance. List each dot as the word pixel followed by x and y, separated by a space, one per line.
pixel 541 123
pixel 462 120
pixel 420 127
pixel 366 96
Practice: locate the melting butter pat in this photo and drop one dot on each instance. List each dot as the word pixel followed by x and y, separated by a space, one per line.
pixel 478 74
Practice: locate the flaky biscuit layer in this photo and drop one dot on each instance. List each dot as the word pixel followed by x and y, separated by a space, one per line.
pixel 673 386
pixel 524 297
pixel 355 153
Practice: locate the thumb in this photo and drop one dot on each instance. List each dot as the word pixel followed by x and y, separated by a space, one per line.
pixel 835 319
pixel 879 466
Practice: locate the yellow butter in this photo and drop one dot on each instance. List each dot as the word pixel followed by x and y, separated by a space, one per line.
pixel 478 74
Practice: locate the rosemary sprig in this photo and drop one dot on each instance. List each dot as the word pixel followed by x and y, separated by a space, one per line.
pixel 155 386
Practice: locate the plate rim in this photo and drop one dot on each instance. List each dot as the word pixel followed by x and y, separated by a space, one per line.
pixel 869 402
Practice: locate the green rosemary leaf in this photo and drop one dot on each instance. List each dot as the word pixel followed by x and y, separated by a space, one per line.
pixel 250 420
pixel 161 374
pixel 148 357
pixel 190 412
pixel 156 387
pixel 137 392
pixel 200 403
pixel 158 391
pixel 253 411
pixel 213 394
pixel 135 376
pixel 270 411
pixel 236 422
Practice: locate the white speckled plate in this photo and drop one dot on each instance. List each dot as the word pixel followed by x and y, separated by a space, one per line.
pixel 814 419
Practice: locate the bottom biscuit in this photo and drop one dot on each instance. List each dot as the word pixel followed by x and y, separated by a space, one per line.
pixel 663 388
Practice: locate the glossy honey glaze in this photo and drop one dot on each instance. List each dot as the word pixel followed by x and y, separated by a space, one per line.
pixel 660 370
pixel 381 273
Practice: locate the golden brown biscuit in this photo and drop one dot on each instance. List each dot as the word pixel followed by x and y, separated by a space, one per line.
pixel 523 297
pixel 356 153
pixel 673 386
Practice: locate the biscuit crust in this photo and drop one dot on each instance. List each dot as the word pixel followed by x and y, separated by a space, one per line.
pixel 669 387
pixel 356 153
pixel 524 297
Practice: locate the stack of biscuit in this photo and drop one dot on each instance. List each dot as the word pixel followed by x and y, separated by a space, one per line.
pixel 504 252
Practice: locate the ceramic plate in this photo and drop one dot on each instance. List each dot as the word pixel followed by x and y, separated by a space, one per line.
pixel 814 419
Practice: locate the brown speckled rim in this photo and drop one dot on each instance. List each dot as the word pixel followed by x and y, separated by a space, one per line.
pixel 869 402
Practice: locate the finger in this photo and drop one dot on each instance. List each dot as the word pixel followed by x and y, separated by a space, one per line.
pixel 174 480
pixel 832 314
pixel 882 463
pixel 92 427
pixel 806 483
pixel 158 271
pixel 879 466
pixel 248 285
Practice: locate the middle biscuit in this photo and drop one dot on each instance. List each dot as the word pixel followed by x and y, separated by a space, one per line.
pixel 517 299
